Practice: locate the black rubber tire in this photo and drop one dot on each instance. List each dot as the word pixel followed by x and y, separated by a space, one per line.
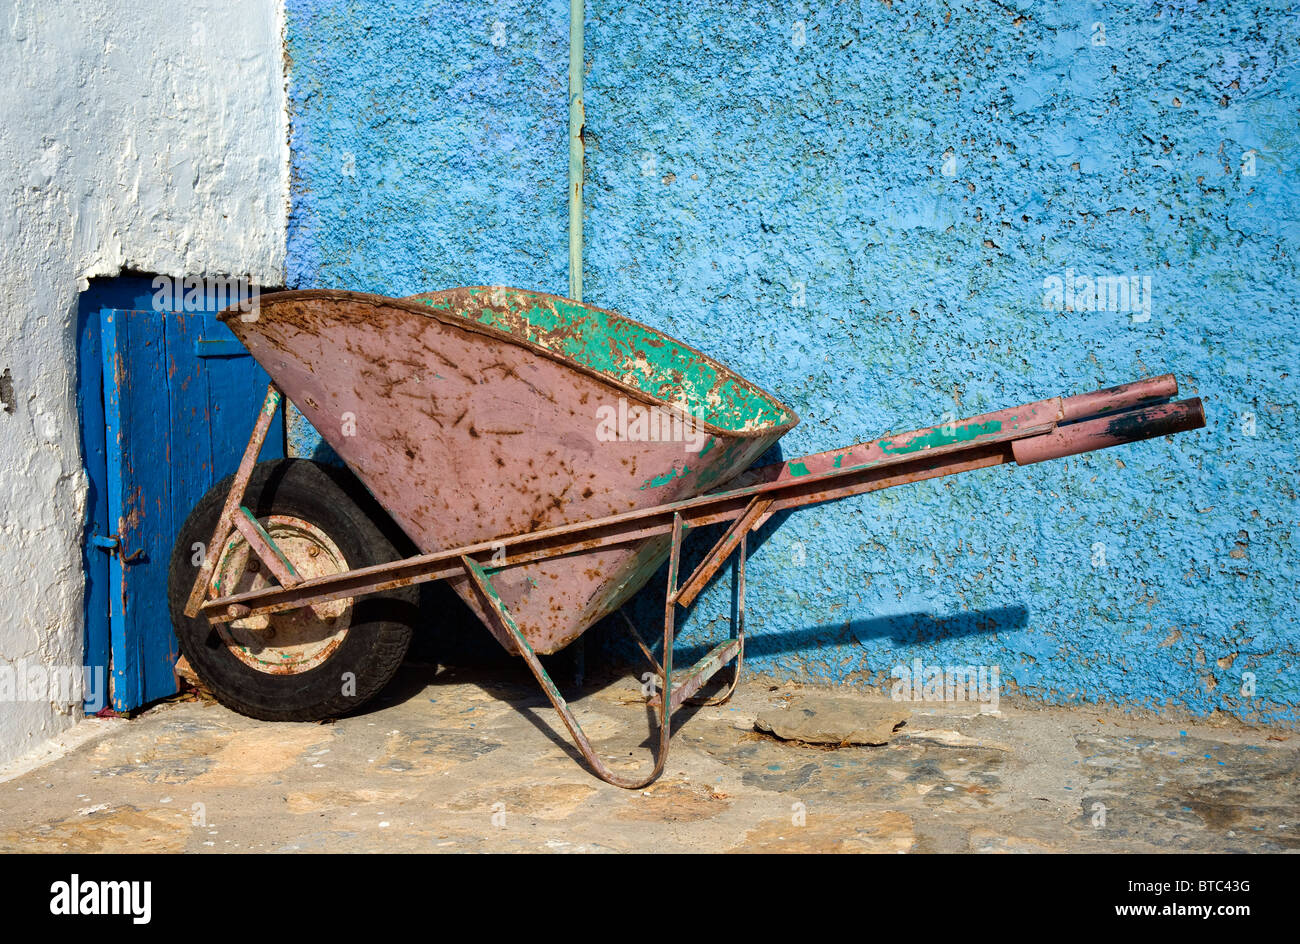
pixel 381 627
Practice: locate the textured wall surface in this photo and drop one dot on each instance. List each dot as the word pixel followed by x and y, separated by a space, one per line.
pixel 429 144
pixel 864 208
pixel 129 138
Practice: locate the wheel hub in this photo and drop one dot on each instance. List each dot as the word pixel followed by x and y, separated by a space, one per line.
pixel 293 641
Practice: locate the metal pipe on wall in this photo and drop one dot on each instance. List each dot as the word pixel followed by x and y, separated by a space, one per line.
pixel 576 119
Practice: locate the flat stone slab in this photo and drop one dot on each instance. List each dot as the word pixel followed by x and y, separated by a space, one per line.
pixel 817 718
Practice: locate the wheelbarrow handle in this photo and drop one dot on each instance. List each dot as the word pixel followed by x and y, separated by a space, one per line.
pixel 1124 397
pixel 1164 419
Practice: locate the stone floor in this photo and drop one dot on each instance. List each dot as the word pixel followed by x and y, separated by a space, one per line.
pixel 465 760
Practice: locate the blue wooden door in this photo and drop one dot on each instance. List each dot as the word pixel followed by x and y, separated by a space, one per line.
pixel 180 396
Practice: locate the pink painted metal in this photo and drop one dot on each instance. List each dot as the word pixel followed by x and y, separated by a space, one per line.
pixel 233 500
pixel 466 432
pixel 261 544
pixel 500 615
pixel 1124 397
pixel 716 557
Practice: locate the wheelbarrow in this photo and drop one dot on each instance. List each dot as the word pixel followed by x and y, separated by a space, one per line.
pixel 542 456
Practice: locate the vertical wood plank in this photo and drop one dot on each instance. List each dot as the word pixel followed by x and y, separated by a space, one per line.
pixel 90 404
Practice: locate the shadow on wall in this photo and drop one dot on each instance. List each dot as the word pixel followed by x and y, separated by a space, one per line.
pixel 903 629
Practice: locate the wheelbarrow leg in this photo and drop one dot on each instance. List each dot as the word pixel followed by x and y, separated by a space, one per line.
pixel 740 633
pixel 735 537
pixel 739 638
pixel 488 595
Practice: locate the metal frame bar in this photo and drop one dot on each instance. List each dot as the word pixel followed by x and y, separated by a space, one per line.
pixel 670 698
pixel 265 548
pixel 725 696
pixel 235 499
pixel 722 550
pixel 235 517
pixel 718 657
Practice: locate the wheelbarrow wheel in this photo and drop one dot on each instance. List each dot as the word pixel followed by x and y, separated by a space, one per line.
pixel 314 662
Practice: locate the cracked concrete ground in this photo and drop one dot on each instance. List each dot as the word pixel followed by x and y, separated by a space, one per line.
pixel 469 760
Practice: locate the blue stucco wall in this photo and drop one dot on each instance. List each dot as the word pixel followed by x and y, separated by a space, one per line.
pixel 423 154
pixel 859 208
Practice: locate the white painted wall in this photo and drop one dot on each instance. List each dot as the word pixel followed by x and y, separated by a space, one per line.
pixel 140 134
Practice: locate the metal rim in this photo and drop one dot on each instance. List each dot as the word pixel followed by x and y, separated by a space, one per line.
pixel 267 302
pixel 293 641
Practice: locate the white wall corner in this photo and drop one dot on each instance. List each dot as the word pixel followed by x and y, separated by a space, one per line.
pixel 131 137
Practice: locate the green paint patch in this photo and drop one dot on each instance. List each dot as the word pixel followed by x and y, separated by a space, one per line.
pixel 661 480
pixel 631 353
pixel 940 436
pixel 724 463
pixel 798 469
